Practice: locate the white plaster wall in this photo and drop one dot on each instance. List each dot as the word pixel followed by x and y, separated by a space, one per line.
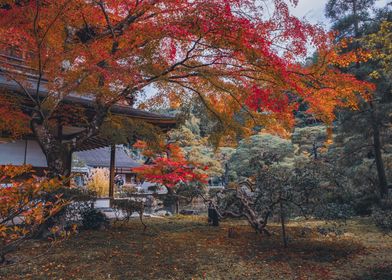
pixel 14 152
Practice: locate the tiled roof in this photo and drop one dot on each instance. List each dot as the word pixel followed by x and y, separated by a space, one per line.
pixel 101 158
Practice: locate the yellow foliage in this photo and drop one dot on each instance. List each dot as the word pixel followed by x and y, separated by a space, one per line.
pixel 99 181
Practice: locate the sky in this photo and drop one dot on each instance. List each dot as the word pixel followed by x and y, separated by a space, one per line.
pixel 313 10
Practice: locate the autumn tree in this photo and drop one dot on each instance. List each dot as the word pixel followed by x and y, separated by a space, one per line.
pixel 239 60
pixel 169 168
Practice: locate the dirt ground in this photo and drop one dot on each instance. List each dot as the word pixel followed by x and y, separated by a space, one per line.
pixel 187 248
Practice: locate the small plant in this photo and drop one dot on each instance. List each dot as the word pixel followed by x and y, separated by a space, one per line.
pixel 94 219
pixel 334 211
pixel 382 216
pixel 127 191
pixel 127 207
pixel 24 209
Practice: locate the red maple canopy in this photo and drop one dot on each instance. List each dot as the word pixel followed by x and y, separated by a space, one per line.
pixel 229 53
pixel 169 167
pixel 236 56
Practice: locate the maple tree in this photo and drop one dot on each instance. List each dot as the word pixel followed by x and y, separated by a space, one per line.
pixel 230 54
pixel 22 207
pixel 170 169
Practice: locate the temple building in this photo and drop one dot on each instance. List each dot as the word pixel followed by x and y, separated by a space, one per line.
pixel 96 150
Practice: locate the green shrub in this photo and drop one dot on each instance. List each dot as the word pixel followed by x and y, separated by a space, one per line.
pixel 94 219
pixel 382 216
pixel 363 204
pixel 334 211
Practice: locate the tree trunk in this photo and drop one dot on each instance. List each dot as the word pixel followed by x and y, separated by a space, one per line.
pixel 226 176
pixel 50 138
pixel 59 159
pixel 177 206
pixel 174 201
pixel 382 178
pixel 58 154
pixel 282 217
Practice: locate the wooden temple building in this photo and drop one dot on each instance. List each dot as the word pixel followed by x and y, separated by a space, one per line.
pixel 28 151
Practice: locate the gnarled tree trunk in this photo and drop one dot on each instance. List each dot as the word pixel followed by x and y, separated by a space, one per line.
pixel 57 151
pixel 58 154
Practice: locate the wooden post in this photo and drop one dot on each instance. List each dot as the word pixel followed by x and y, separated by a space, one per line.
pixel 112 169
pixel 69 169
pixel 25 152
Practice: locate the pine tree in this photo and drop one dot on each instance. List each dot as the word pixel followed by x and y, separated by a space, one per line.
pixel 363 132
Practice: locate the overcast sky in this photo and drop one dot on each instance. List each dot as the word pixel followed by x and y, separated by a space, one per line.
pixel 313 10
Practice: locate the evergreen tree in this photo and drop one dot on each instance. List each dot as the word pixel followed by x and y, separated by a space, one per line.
pixel 364 132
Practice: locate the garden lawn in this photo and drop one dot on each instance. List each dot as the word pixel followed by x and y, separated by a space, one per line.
pixel 187 248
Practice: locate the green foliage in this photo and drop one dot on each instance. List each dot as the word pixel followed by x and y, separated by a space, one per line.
pixel 198 149
pixel 361 152
pixel 120 130
pixel 348 16
pixel 93 219
pixel 382 216
pixel 254 152
pixel 310 139
pixel 334 211
pixel 379 44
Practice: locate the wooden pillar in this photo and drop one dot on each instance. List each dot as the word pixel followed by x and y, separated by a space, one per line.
pixel 112 169
pixel 25 152
pixel 69 169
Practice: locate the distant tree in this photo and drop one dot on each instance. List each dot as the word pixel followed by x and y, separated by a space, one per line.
pixel 378 43
pixel 197 148
pixel 349 16
pixel 252 153
pixel 312 139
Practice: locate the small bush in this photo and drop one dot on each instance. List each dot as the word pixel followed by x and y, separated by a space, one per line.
pixel 382 216
pixel 24 209
pixel 363 204
pixel 93 219
pixel 334 211
pixel 79 200
pixel 126 191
